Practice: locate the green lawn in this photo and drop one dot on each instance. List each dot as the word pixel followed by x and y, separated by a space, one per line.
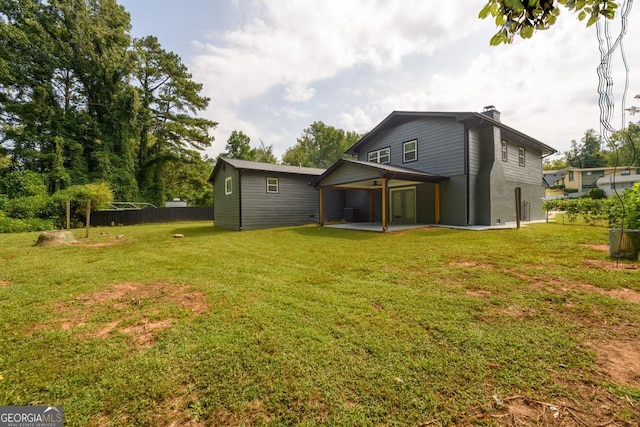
pixel 309 325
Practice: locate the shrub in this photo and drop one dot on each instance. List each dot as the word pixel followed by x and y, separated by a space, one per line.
pixel 625 211
pixel 41 206
pixel 597 193
pixel 556 187
pixel 14 225
pixel 99 193
pixel 591 210
pixel 23 184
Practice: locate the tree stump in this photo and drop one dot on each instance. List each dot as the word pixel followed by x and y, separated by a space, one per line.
pixel 53 238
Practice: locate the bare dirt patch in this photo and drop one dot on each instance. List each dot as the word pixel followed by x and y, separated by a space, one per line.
pixel 477 293
pixel 602 248
pixel 593 406
pixel 134 309
pixel 4 283
pixel 619 361
pixel 610 264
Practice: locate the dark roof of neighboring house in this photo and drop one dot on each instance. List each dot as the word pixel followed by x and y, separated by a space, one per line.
pixel 397 118
pixel 265 167
pixel 387 171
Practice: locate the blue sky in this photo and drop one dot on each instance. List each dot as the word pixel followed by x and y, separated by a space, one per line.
pixel 273 67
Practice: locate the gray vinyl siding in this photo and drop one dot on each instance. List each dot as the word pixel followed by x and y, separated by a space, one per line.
pixel 453 201
pixel 226 208
pixel 506 176
pixel 425 204
pixel 358 199
pixel 481 160
pixel 440 145
pixel 334 204
pixel 295 203
pixel 348 173
pixel 530 173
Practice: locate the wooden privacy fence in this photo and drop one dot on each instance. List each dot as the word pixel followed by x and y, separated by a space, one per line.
pixel 150 215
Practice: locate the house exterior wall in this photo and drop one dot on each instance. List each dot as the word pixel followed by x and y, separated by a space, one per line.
pixel 441 147
pixel 295 203
pixel 226 208
pixel 481 159
pixel 438 142
pixel 506 176
pixel 343 175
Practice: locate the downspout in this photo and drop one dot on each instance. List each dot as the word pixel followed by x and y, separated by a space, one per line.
pixel 239 199
pixel 466 171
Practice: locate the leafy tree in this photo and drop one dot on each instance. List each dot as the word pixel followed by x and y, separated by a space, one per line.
pixel 588 153
pixel 23 183
pixel 554 164
pixel 239 147
pixel 188 180
pixel 168 129
pixel 524 17
pixel 320 146
pixel 623 147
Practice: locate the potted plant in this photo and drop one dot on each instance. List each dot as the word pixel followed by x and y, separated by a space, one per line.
pixel 624 217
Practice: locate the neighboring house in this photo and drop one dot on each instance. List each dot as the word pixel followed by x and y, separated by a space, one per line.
pixel 459 168
pixel 582 180
pixel 618 181
pixel 251 195
pixel 552 176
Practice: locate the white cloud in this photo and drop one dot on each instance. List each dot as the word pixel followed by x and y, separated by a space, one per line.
pixel 357 61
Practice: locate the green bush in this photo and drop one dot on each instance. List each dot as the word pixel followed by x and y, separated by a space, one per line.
pixel 50 211
pixel 99 193
pixel 625 211
pixel 41 206
pixel 570 190
pixel 556 187
pixel 14 225
pixel 591 210
pixel 23 184
pixel 597 193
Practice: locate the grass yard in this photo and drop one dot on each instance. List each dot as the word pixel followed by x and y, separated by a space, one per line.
pixel 309 325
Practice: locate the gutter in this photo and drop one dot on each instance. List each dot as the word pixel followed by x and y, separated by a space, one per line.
pixel 239 199
pixel 467 168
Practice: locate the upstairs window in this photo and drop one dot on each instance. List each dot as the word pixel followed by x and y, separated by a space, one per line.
pixel 570 175
pixel 625 172
pixel 227 186
pixel 504 151
pixel 272 185
pixel 410 151
pixel 380 156
pixel 521 156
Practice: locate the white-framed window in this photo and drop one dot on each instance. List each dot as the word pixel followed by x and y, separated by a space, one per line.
pixel 570 175
pixel 228 186
pixel 380 156
pixel 521 156
pixel 504 151
pixel 625 172
pixel 272 185
pixel 410 151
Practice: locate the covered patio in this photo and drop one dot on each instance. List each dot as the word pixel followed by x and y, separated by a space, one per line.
pixel 386 180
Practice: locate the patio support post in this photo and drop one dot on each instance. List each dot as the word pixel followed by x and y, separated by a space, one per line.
pixel 384 204
pixel 370 205
pixel 437 203
pixel 321 206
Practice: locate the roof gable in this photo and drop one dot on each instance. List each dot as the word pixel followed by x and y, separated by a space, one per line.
pixel 398 118
pixel 264 167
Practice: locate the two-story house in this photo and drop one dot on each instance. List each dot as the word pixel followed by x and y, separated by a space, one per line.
pixel 450 168
pixel 460 168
